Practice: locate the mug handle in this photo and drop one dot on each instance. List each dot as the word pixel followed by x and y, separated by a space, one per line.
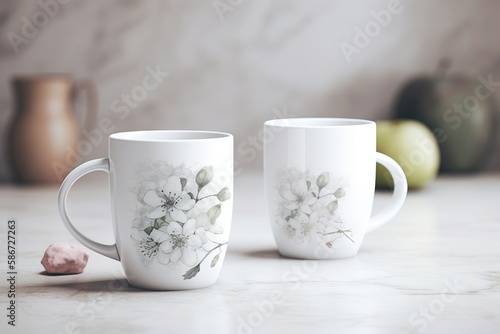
pixel 398 196
pixel 78 172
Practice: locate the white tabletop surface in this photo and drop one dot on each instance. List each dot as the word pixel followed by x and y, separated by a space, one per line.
pixel 434 269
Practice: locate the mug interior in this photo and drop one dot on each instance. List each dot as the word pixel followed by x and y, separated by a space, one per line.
pixel 317 122
pixel 167 135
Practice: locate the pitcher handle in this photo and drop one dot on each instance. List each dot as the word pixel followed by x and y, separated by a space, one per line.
pixel 90 89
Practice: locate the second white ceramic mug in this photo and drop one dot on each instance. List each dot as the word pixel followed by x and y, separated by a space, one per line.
pixel 319 176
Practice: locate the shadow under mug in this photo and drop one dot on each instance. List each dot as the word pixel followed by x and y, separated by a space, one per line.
pixel 171 205
pixel 319 176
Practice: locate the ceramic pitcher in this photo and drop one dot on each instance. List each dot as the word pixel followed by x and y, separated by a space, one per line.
pixel 45 131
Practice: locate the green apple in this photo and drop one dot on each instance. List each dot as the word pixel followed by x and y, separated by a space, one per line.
pixel 462 113
pixel 414 148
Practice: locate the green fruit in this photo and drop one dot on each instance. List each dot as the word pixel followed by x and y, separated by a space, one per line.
pixel 461 113
pixel 413 146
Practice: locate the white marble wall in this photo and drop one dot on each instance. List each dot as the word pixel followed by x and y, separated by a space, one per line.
pixel 233 67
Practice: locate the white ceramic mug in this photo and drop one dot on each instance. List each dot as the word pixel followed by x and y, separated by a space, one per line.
pixel 319 178
pixel 171 204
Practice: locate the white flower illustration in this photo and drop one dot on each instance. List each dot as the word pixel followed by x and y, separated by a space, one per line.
pixel 175 224
pixel 172 201
pixel 301 227
pixel 291 228
pixel 299 196
pixel 180 243
pixel 307 207
pixel 149 244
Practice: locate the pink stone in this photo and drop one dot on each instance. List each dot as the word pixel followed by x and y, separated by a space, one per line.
pixel 65 258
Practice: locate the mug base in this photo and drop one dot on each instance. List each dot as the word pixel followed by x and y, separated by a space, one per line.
pixel 313 256
pixel 169 287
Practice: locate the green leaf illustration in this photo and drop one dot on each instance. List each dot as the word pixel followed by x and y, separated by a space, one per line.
pixel 192 272
pixel 204 176
pixel 323 180
pixel 214 261
pixel 339 193
pixel 159 222
pixel 214 213
pixel 224 194
pixel 332 207
pixel 148 229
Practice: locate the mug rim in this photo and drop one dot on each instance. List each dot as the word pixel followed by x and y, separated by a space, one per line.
pixel 163 136
pixel 317 122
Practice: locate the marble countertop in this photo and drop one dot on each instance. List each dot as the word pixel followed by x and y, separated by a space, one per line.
pixel 434 269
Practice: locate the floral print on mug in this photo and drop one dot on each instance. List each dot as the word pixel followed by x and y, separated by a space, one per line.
pixel 177 221
pixel 308 208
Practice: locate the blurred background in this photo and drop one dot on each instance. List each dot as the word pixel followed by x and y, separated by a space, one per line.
pixel 227 65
